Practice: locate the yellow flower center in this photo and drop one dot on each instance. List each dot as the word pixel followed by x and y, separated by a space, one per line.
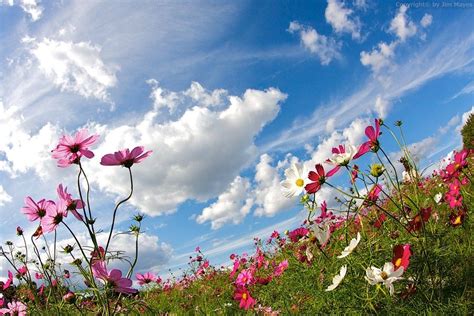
pixel 457 221
pixel 244 296
pixel 398 262
pixel 384 275
pixel 299 182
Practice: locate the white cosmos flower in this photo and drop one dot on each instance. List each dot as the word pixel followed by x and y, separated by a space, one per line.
pixel 342 155
pixel 387 275
pixel 347 251
pixel 296 179
pixel 437 198
pixel 337 279
pixel 322 234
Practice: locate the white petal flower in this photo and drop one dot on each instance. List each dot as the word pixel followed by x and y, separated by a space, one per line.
pixel 296 179
pixel 437 198
pixel 387 275
pixel 337 279
pixel 352 245
pixel 322 234
pixel 343 155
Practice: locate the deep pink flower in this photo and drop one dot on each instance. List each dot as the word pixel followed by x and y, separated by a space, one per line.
pixel 71 204
pixel 112 279
pixel 22 271
pixel 373 142
pixel 71 148
pixel 145 278
pixel 456 219
pixel 34 211
pixel 125 157
pixel 243 295
pixel 401 256
pixel 54 217
pixel 9 281
pixel 38 276
pixel 298 233
pixel 281 268
pixel 245 277
pixel 14 308
pixel 354 173
pixel 318 178
pixel 373 194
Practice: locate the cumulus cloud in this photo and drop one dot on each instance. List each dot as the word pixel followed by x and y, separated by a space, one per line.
pixel 31 7
pixel 325 48
pixel 340 19
pixel 401 25
pixel 4 196
pixel 231 206
pixel 426 20
pixel 75 67
pixel 382 106
pixel 195 156
pixel 380 57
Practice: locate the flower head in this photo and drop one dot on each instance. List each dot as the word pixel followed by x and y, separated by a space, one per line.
pixel 243 295
pixel 296 178
pixel 54 217
pixel 125 157
pixel 9 282
pixel 422 217
pixel 14 308
pixel 373 142
pixel 37 210
pixel 342 155
pixel 71 204
pixel 319 178
pixel 71 148
pixel 401 256
pixel 245 277
pixel 145 278
pixel 352 245
pixel 337 279
pixel 387 275
pixel 112 279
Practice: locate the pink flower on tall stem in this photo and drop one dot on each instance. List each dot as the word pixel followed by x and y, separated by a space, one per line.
pixel 145 278
pixel 71 204
pixel 125 157
pixel 243 295
pixel 14 308
pixel 112 279
pixel 373 194
pixel 245 277
pixel 71 148
pixel 373 142
pixel 37 210
pixel 9 281
pixel 54 217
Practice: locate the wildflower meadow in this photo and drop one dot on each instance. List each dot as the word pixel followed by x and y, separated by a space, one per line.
pixel 397 243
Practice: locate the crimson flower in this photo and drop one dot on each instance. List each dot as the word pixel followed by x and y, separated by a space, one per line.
pixel 318 178
pixel 71 204
pixel 401 256
pixel 379 221
pixel 243 295
pixel 125 157
pixel 298 233
pixel 37 210
pixel 145 278
pixel 112 279
pixel 373 142
pixel 422 217
pixel 456 219
pixel 71 148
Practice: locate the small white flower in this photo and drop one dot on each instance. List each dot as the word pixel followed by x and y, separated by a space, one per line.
pixel 322 234
pixel 343 155
pixel 296 179
pixel 352 245
pixel 337 279
pixel 386 276
pixel 437 198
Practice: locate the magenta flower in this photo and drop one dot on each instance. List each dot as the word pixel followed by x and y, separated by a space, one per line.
pixel 125 157
pixel 71 148
pixel 372 143
pixel 9 281
pixel 14 308
pixel 71 204
pixel 112 279
pixel 245 277
pixel 281 268
pixel 319 178
pixel 374 194
pixel 243 295
pixel 54 217
pixel 22 271
pixel 145 278
pixel 34 211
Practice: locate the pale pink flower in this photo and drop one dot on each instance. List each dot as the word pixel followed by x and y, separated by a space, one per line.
pixel 125 157
pixel 145 278
pixel 113 278
pixel 71 204
pixel 54 217
pixel 14 308
pixel 71 148
pixel 37 210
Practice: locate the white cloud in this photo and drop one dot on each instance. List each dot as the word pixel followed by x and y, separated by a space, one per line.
pixel 339 17
pixel 379 58
pixel 231 206
pixel 31 7
pixel 195 156
pixel 382 106
pixel 464 118
pixel 326 48
pixel 75 67
pixel 467 89
pixel 4 196
pixel 362 4
pixel 426 20
pixel 401 24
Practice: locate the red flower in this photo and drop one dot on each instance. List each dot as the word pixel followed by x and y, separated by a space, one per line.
pixel 318 178
pixel 243 295
pixel 456 219
pixel 372 143
pixel 71 149
pixel 401 256
pixel 379 221
pixel 125 157
pixel 297 234
pixel 423 216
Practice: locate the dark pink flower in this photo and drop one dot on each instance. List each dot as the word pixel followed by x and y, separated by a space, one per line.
pixel 38 276
pixel 112 279
pixel 422 217
pixel 373 142
pixel 9 281
pixel 34 211
pixel 71 204
pixel 281 268
pixel 318 178
pixel 54 217
pixel 243 295
pixel 298 233
pixel 373 194
pixel 401 256
pixel 22 271
pixel 71 148
pixel 245 277
pixel 15 308
pixel 125 157
pixel 145 278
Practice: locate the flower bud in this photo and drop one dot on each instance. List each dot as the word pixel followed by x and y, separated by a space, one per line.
pixel 68 249
pixel 376 170
pixel 19 231
pixel 69 297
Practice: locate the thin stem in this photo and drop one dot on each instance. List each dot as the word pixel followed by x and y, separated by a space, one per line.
pixel 116 208
pixel 78 243
pixel 129 274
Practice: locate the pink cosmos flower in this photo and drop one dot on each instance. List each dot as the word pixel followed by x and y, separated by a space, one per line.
pixel 245 277
pixel 318 178
pixel 22 271
pixel 71 204
pixel 281 268
pixel 34 211
pixel 54 217
pixel 243 295
pixel 125 157
pixel 373 194
pixel 401 256
pixel 354 173
pixel 113 279
pixel 372 143
pixel 298 233
pixel 14 308
pixel 71 148
pixel 38 276
pixel 145 278
pixel 9 281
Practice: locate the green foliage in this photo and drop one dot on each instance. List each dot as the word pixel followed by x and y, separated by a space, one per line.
pixel 467 133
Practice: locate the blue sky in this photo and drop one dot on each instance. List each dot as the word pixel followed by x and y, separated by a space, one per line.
pixel 226 94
